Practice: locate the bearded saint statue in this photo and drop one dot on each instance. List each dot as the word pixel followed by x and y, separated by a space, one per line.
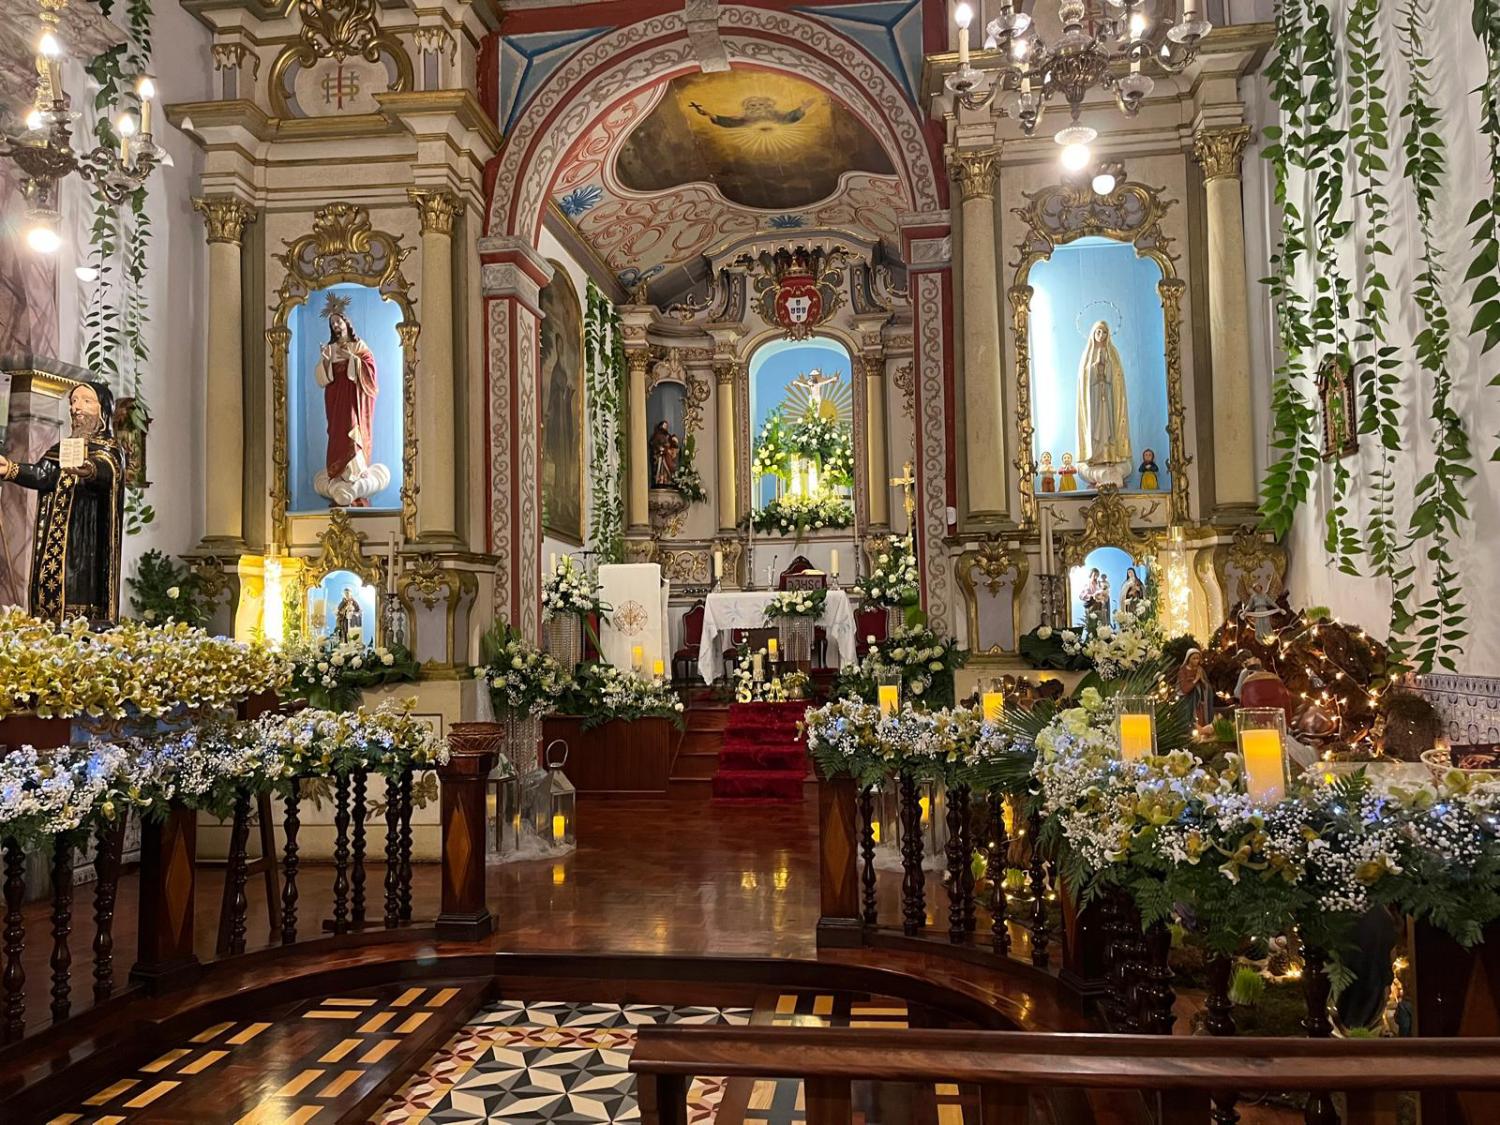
pixel 80 514
pixel 346 372
pixel 1103 414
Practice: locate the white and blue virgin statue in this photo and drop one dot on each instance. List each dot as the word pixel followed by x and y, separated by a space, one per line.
pixel 1103 412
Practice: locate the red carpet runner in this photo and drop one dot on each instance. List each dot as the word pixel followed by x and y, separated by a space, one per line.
pixel 763 758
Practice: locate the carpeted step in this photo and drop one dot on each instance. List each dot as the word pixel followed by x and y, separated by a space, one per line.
pixel 758 785
pixel 775 759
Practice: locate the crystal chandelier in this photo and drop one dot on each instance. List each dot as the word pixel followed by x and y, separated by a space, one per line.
pixel 1099 39
pixel 43 148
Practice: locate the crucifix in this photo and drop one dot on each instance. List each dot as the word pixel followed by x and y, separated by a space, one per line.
pixel 908 485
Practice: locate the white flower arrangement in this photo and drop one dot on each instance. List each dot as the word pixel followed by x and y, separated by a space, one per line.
pixel 1116 650
pixel 523 680
pixel 570 589
pixel 797 603
pixel 894 580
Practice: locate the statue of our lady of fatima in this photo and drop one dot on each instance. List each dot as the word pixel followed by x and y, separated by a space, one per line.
pixel 80 515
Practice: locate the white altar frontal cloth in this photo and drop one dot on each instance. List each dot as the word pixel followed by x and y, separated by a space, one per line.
pixel 638 617
pixel 728 610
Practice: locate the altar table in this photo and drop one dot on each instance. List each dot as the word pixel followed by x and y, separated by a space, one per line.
pixel 728 610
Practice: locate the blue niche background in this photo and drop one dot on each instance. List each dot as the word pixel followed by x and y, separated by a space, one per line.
pixel 772 369
pixel 375 321
pixel 1086 281
pixel 1112 562
pixel 324 598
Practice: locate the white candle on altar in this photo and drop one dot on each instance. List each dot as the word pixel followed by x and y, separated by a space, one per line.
pixel 833 562
pixel 552 563
pixel 718 563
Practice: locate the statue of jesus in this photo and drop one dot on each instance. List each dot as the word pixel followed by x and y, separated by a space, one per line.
pixel 80 514
pixel 346 372
pixel 1103 413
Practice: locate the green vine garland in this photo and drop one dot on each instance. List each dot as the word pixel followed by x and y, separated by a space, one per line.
pixel 605 377
pixel 1484 269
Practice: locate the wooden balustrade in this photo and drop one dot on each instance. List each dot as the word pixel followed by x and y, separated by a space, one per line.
pixel 1181 1073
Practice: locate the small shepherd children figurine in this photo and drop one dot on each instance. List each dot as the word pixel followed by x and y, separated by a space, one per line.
pixel 1069 474
pixel 1049 481
pixel 1148 470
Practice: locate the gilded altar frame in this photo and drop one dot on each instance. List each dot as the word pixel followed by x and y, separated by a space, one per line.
pixel 342 247
pixel 1132 214
pixel 1107 523
pixel 994 561
pixel 342 549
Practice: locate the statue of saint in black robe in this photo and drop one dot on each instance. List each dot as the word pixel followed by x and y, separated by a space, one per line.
pixel 80 516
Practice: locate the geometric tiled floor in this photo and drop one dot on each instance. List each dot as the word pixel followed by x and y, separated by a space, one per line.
pixel 529 1063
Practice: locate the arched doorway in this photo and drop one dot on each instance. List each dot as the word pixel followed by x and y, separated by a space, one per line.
pixel 615 78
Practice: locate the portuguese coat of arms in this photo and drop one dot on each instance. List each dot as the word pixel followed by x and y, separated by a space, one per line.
pixel 797 290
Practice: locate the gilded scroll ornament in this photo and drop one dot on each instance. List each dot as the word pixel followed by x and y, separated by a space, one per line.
pixel 337 29
pixel 1107 523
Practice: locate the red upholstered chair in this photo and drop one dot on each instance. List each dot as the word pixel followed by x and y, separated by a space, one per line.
pixel 868 623
pixel 591 630
pixel 692 640
pixel 801 575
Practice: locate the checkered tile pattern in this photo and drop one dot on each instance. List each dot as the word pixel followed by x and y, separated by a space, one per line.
pixel 528 1063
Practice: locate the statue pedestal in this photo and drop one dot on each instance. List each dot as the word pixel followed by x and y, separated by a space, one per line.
pixel 1109 473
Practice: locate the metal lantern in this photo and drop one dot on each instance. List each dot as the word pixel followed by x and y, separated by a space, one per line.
pixel 555 801
pixel 503 808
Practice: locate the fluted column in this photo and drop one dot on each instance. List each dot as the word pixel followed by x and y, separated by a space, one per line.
pixel 225 217
pixel 638 510
pixel 875 438
pixel 1218 151
pixel 437 443
pixel 983 400
pixel 724 373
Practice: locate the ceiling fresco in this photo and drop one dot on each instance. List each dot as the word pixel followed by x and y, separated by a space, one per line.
pixel 680 169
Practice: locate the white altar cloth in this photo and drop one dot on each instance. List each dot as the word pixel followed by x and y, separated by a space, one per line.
pixel 728 610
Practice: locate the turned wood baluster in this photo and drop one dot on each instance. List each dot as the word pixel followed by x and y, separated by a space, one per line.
pixel 109 837
pixel 867 852
pixel 913 883
pixel 341 854
pixel 392 853
pixel 358 877
pixel 14 977
pixel 406 779
pixel 957 861
pixel 999 850
pixel 1315 990
pixel 1130 951
pixel 1220 1021
pixel 62 927
pixel 289 863
pixel 239 871
pixel 1154 994
pixel 1041 927
pixel 966 826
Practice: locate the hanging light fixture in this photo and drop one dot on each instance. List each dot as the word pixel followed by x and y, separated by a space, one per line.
pixel 1098 38
pixel 44 152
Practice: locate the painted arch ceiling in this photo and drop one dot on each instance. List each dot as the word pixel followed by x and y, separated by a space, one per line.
pixel 677 170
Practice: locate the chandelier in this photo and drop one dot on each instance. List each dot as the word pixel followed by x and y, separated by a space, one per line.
pixel 43 148
pixel 1104 44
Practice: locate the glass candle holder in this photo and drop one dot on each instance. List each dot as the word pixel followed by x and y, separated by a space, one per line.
pixel 1135 726
pixel 1261 733
pixel 888 693
pixel 993 703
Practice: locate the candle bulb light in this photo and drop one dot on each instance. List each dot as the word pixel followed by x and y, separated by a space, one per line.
pixel 963 15
pixel 125 127
pixel 147 91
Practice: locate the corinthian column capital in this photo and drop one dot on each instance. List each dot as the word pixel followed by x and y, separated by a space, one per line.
pixel 225 216
pixel 1219 151
pixel 974 171
pixel 725 370
pixel 437 209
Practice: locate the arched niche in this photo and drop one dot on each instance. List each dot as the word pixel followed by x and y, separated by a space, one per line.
pixel 1088 258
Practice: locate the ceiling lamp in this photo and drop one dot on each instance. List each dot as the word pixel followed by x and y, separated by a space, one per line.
pixel 43 149
pixel 1098 38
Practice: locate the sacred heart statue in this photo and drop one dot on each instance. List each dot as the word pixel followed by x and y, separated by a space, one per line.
pixel 797 290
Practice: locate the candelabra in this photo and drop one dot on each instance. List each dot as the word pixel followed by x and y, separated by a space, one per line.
pixel 43 148
pixel 1099 38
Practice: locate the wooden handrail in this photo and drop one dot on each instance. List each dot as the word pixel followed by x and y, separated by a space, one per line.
pixel 1153 1062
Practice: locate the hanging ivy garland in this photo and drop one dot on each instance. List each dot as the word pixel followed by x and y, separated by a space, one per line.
pixel 604 364
pixel 1484 268
pixel 1439 624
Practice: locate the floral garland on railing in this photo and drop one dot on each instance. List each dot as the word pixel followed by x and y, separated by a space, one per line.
pixel 850 736
pixel 894 579
pixel 66 671
pixel 44 793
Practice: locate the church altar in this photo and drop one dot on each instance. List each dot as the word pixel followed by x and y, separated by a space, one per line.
pixel 725 611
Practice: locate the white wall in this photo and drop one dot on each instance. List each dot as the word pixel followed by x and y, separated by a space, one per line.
pixel 1313 579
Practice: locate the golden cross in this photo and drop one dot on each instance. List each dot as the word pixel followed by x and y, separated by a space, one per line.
pixel 907 484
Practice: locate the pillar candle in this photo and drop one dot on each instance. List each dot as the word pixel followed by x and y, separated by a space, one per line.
pixel 658 668
pixel 833 562
pixel 758 664
pixel 559 828
pixel 1135 736
pixel 994 706
pixel 890 699
pixel 637 657
pixel 1265 764
pixel 773 646
pixel 718 563
pixel 552 563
